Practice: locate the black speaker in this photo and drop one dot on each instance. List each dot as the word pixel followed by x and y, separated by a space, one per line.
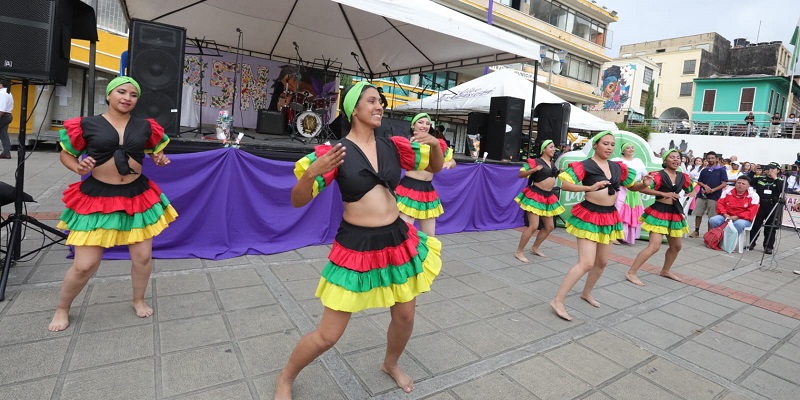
pixel 504 129
pixel 155 52
pixel 269 122
pixel 36 36
pixel 553 123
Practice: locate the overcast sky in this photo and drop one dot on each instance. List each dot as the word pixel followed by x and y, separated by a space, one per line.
pixel 647 20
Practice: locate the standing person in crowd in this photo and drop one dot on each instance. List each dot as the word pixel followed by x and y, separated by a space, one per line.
pixel 377 260
pixel 769 189
pixel 749 120
pixel 792 182
pixel 595 221
pixel 733 173
pixel 417 199
pixel 116 205
pixel 738 204
pixel 684 163
pixel 747 169
pixel 775 125
pixel 538 200
pixel 791 125
pixel 712 180
pixel 757 171
pixel 629 202
pixel 694 173
pixel 6 106
pixel 665 216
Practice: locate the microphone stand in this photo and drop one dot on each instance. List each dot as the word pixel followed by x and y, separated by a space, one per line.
pixel 294 134
pixel 199 43
pixel 394 88
pixel 236 69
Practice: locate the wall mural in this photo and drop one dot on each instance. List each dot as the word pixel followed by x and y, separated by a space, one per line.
pixel 617 82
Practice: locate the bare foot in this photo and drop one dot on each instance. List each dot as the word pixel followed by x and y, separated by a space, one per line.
pixel 521 257
pixel 403 380
pixel 537 252
pixel 283 388
pixel 60 320
pixel 142 309
pixel 633 279
pixel 560 310
pixel 670 275
pixel 591 300
pixel 616 242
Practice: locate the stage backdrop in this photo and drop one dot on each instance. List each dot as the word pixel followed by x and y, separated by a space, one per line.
pixel 232 203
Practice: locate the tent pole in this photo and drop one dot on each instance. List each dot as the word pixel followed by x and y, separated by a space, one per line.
pixel 533 107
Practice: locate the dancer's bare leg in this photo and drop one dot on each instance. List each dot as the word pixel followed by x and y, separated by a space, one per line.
pixel 330 329
pixel 141 268
pixel 407 218
pixel 652 248
pixel 600 262
pixel 84 265
pixel 586 259
pixel 533 224
pixel 397 336
pixel 675 245
pixel 428 226
pixel 548 227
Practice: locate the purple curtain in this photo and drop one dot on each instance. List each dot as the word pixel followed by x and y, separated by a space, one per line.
pixel 231 203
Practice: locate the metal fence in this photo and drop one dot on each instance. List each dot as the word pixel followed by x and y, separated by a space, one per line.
pixel 723 128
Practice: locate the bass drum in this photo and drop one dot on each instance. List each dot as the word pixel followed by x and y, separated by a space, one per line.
pixel 308 124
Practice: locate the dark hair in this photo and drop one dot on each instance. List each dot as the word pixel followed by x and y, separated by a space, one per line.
pixel 745 178
pixel 346 91
pixel 712 153
pixel 5 82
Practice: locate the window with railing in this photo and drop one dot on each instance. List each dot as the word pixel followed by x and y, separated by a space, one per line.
pixel 746 99
pixel 567 19
pixel 709 96
pixel 686 89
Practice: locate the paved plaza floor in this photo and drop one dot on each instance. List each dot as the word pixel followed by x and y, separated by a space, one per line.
pixel 223 329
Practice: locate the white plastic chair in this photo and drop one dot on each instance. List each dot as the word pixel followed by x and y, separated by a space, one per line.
pixel 744 239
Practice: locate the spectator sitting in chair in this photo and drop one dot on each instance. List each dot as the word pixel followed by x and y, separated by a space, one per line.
pixel 738 204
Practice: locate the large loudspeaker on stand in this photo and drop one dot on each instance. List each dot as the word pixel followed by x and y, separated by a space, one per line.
pixel 156 62
pixel 552 123
pixel 504 129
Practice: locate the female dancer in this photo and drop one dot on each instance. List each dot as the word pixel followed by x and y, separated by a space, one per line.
pixel 629 202
pixel 416 197
pixel 665 216
pixel 538 199
pixel 116 205
pixel 377 260
pixel 595 221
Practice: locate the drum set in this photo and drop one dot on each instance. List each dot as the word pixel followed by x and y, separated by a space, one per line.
pixel 308 115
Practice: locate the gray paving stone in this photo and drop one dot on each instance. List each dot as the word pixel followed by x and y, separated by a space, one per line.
pixel 111 316
pixel 310 252
pixel 367 366
pixel 235 278
pixel 465 253
pixel 679 380
pixel 761 325
pixel 186 305
pixel 546 380
pixel 264 354
pixel 689 314
pixel 19 274
pixel 630 291
pixel 30 327
pixel 112 292
pixel 441 396
pixel 452 288
pixel 446 314
pixel 196 369
pixel 428 350
pixel 361 333
pixel 230 262
pixel 48 273
pixel 494 386
pixel 57 256
pixel 730 346
pixel 597 396
pixel 35 390
pixel 649 333
pixel 719 299
pixel 483 306
pixel 188 333
pixel 108 347
pixel 237 391
pixel 790 351
pixel 783 368
pixel 115 268
pixel 520 327
pixel 746 335
pixel 314 382
pixel 313 309
pixel 32 360
pixel 457 268
pixel 483 338
pixel 180 264
pixel 277 257
pixel 711 360
pixel 515 274
pixel 734 396
pixel 245 297
pixel 295 271
pixel 545 315
pixel 37 300
pixel 258 321
pixel 705 306
pixel 771 386
pixel 136 377
pixel 305 289
pixel 634 387
pixel 676 325
pixel 544 288
pixel 515 298
pixel 429 297
pixel 182 284
pixel 491 263
pixel 422 326
pixel 609 298
pixel 481 282
pixel 616 349
pixel 582 362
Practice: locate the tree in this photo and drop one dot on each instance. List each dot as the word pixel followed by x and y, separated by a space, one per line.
pixel 648 104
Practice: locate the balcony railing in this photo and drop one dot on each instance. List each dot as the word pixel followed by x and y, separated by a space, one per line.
pixel 723 128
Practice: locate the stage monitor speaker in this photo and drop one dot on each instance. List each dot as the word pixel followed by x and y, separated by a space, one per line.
pixel 156 61
pixel 504 129
pixel 36 39
pixel 553 123
pixel 270 122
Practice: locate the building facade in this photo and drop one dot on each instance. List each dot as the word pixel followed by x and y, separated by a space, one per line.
pixel 625 89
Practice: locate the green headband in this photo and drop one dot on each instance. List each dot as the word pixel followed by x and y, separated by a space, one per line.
pixel 597 137
pixel 664 156
pixel 351 98
pixel 418 116
pixel 626 144
pixel 544 145
pixel 121 80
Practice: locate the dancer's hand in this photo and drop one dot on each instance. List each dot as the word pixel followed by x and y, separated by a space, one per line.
pixel 328 161
pixel 160 158
pixel 647 180
pixel 85 166
pixel 425 138
pixel 598 185
pixel 670 195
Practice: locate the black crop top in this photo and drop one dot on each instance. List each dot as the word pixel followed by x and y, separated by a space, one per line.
pixel 100 140
pixel 587 173
pixel 547 171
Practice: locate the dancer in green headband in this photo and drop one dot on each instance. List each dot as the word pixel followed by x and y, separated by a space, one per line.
pixel 629 202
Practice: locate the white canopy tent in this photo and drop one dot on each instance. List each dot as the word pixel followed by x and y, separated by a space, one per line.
pixel 408 36
pixel 476 96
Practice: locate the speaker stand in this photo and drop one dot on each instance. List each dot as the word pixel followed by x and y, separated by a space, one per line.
pixel 18 218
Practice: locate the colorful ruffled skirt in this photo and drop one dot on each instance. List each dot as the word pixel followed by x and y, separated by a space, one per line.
pixel 106 215
pixel 664 219
pixel 534 199
pixel 378 267
pixel 418 199
pixel 590 221
pixel 629 206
